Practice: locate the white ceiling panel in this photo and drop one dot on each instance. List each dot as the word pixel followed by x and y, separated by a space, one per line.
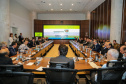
pixel 42 6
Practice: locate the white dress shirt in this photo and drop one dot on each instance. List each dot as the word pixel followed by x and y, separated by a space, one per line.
pixel 10 40
pixel 23 47
pixel 15 39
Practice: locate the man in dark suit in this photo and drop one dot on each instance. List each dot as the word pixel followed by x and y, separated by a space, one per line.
pixel 20 37
pixel 39 41
pixel 43 40
pixel 63 49
pixel 12 49
pixel 122 52
pixel 96 46
pixel 104 48
pixel 87 42
pixel 32 43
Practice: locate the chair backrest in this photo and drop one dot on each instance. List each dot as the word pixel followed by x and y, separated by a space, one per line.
pixel 15 68
pixel 110 75
pixel 16 78
pixel 60 76
pixel 59 64
pixel 116 63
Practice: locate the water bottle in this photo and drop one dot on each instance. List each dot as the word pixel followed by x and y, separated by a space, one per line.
pixel 86 50
pixel 90 52
pixel 96 58
pixel 90 58
pixel 83 48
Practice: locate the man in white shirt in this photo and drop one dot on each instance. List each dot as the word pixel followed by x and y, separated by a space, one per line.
pixel 112 55
pixel 24 46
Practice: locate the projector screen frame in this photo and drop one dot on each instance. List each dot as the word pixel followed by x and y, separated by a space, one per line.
pixel 61 24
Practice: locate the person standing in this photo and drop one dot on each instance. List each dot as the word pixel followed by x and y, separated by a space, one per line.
pixel 20 37
pixel 10 40
pixel 15 37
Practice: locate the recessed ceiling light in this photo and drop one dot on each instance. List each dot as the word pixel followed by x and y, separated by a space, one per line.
pixel 49 4
pixel 61 4
pixel 61 9
pixel 70 9
pixel 72 4
pixel 51 9
pixel 42 1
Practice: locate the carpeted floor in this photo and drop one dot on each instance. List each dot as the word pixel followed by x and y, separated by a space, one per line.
pixel 54 51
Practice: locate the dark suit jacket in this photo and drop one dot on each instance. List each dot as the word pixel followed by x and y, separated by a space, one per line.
pixel 81 41
pixel 63 59
pixel 12 51
pixel 43 40
pixel 104 50
pixel 96 48
pixel 5 60
pixel 38 42
pixel 31 44
pixel 86 43
pixel 20 38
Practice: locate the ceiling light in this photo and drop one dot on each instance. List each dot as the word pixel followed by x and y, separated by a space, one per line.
pixel 51 9
pixel 61 4
pixel 42 1
pixel 61 9
pixel 70 9
pixel 72 4
pixel 49 4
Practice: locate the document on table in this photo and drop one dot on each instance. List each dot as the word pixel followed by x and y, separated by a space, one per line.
pixel 13 58
pixel 30 63
pixel 33 53
pixel 94 65
pixel 40 68
pixel 80 58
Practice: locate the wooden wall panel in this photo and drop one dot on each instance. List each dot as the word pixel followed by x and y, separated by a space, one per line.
pixel 123 30
pixel 84 24
pixel 100 21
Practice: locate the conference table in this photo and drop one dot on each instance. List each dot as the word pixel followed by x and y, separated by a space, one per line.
pixel 81 62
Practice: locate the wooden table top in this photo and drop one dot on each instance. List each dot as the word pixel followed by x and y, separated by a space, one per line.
pixel 81 64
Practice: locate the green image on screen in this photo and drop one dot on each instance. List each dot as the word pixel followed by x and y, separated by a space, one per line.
pixel 38 34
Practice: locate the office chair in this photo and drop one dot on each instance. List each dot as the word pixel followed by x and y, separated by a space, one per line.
pixel 116 63
pixel 60 76
pixel 109 75
pixel 15 68
pixel 59 64
pixel 9 77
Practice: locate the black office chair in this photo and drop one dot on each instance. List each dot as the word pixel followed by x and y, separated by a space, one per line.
pixel 116 63
pixel 8 77
pixel 60 76
pixel 16 68
pixel 110 75
pixel 59 64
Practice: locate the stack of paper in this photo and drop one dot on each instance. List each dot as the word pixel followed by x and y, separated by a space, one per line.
pixel 40 68
pixel 93 65
pixel 13 58
pixel 33 53
pixel 30 63
pixel 80 58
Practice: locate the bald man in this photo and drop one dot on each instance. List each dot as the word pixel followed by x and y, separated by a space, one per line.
pixel 4 60
pixel 122 51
